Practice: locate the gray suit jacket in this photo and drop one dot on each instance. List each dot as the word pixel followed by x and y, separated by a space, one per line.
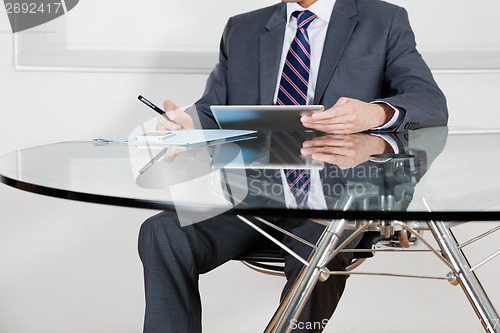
pixel 369 54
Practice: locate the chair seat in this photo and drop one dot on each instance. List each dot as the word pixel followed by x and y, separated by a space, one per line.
pixel 268 258
pixel 270 252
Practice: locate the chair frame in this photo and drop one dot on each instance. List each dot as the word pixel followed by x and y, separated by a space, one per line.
pixel 449 252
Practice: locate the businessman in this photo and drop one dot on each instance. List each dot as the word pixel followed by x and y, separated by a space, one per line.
pixel 358 58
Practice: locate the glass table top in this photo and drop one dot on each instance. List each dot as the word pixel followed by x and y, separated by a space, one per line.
pixel 425 174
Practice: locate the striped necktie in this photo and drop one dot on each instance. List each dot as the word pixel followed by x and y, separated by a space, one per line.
pixel 295 77
pixel 293 91
pixel 285 148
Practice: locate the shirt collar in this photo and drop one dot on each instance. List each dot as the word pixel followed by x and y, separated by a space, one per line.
pixel 321 8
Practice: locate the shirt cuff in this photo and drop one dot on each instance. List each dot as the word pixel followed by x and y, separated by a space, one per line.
pixel 390 140
pixel 394 120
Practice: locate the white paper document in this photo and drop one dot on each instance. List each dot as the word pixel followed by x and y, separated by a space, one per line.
pixel 185 138
pixel 193 137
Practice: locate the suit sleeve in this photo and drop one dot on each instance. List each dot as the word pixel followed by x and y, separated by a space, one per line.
pixel 215 89
pixel 409 80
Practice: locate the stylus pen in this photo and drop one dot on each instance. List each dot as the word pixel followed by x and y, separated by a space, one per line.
pixel 153 160
pixel 154 107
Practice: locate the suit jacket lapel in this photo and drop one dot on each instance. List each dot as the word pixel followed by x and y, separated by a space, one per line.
pixel 270 46
pixel 339 32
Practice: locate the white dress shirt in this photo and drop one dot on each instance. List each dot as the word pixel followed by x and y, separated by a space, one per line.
pixel 317 34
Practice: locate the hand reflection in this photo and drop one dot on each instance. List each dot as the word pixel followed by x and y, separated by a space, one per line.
pixel 345 151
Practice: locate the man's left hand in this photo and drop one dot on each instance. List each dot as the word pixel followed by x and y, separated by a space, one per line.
pixel 349 116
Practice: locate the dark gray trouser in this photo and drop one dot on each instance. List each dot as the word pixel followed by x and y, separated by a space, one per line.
pixel 173 258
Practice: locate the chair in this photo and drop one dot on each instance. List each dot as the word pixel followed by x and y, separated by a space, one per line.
pixel 268 258
pixel 400 175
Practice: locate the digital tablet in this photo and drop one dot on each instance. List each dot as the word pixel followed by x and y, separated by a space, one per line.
pixel 262 117
pixel 267 150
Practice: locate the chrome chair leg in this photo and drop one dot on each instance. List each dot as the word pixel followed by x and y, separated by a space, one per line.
pixel 466 276
pixel 289 310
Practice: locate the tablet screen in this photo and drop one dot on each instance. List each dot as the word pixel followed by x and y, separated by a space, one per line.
pixel 262 117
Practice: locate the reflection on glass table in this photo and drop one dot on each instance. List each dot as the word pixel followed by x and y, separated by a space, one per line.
pixel 395 185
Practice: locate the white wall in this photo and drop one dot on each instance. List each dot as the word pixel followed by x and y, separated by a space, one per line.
pixel 73 267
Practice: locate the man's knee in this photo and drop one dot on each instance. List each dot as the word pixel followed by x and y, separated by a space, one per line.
pixel 161 222
pixel 159 229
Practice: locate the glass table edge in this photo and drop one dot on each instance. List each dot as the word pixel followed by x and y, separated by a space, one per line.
pixel 276 212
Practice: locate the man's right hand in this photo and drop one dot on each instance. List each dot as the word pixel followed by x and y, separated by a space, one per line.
pixel 345 151
pixel 179 120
